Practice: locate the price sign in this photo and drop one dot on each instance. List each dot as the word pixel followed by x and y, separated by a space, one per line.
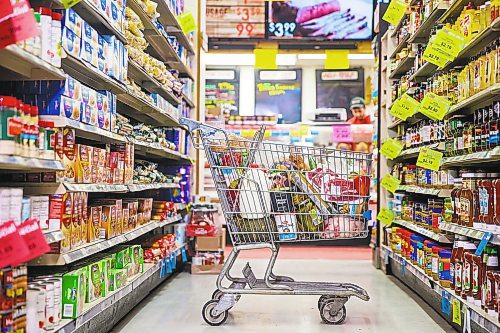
pixel 434 106
pixel 390 183
pixel 482 244
pixel 391 148
pixel 12 246
pixel 280 29
pixel 405 107
pixel 17 22
pixel 341 133
pixel 69 3
pixel 449 41
pixel 236 19
pixel 35 240
pixel 429 159
pixel 184 255
pixel 457 311
pixel 187 22
pixel 385 216
pixel 436 56
pixel 395 12
pixel 445 303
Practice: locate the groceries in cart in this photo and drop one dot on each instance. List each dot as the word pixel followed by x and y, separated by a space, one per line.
pixel 202 221
pixel 305 193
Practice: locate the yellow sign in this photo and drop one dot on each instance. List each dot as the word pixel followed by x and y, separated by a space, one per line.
pixel 436 56
pixel 434 106
pixel 187 22
pixel 404 107
pixel 395 12
pixel 390 183
pixel 385 216
pixel 429 159
pixel 265 58
pixel 449 41
pixel 391 148
pixel 457 311
pixel 337 59
pixel 69 3
pixel 304 129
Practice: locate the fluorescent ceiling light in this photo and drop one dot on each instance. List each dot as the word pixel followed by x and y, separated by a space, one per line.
pixel 322 56
pixel 286 59
pixel 229 59
pixel 361 56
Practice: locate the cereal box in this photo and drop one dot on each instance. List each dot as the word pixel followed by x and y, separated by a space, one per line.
pixel 69 154
pixel 83 171
pixel 94 224
pixel 108 221
pixel 125 220
pixel 95 283
pixel 60 218
pixel 73 293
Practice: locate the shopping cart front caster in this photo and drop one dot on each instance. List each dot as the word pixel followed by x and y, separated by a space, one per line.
pixel 217 295
pixel 211 315
pixel 330 312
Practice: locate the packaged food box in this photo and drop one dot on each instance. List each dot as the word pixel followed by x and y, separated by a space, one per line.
pixel 71 43
pixel 62 106
pixel 89 34
pixel 95 281
pixel 116 16
pixel 94 224
pixel 94 164
pixel 60 218
pixel 108 221
pixel 113 56
pixel 88 53
pixel 76 227
pixel 108 267
pixel 119 220
pixel 104 7
pixel 73 293
pixel 122 258
pixel 69 87
pixel 125 220
pixel 73 22
pixel 135 260
pixel 89 96
pixel 84 217
pixel 69 154
pixel 101 59
pixel 117 279
pixel 83 164
pixel 89 115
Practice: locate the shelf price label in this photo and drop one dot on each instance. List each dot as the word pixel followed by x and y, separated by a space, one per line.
pixel 187 22
pixel 12 246
pixel 390 183
pixel 429 159
pixel 405 107
pixel 69 3
pixel 457 311
pixel 385 216
pixel 434 106
pixel 484 240
pixel 449 41
pixel 436 56
pixel 391 149
pixel 395 12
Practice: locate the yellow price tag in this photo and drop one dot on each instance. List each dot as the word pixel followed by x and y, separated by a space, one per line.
pixel 69 3
pixel 449 41
pixel 436 56
pixel 457 311
pixel 187 22
pixel 337 59
pixel 304 129
pixel 265 58
pixel 390 183
pixel 391 148
pixel 385 216
pixel 404 107
pixel 295 132
pixel 246 133
pixel 429 159
pixel 434 106
pixel 395 12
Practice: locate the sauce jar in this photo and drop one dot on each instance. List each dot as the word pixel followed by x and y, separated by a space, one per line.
pixel 428 245
pixel 435 262
pixel 444 268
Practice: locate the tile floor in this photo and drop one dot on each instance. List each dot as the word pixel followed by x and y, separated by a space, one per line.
pixel 176 305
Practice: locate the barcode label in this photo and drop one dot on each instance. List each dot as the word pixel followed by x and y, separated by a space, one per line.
pixel 68 310
pixel 102 234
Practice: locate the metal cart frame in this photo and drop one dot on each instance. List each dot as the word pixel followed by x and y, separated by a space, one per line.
pixel 249 215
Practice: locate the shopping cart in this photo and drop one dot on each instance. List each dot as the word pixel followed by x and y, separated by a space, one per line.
pixel 273 193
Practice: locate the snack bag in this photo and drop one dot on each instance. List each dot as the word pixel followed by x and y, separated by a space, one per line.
pixel 287 226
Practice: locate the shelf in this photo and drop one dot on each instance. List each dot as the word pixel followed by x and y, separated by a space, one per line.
pixel 91 76
pixel 180 206
pixel 53 236
pixel 477 44
pixel 19 163
pixel 400 46
pixel 143 79
pixel 145 187
pixel 423 72
pixel 171 25
pixel 402 68
pixel 442 193
pixel 454 11
pixel 474 158
pixel 469 232
pixel 107 311
pixel 138 108
pixel 105 188
pixel 97 134
pixel 188 101
pixel 422 33
pixel 59 188
pixel 90 249
pixel 90 14
pixel 413 152
pixel 30 67
pixel 422 231
pixel 183 69
pixel 432 292
pixel 475 100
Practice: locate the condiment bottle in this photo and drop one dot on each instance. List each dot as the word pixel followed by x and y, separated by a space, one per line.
pixel 457 246
pixel 455 200
pixel 496 203
pixel 459 265
pixel 10 125
pixel 477 279
pixel 468 203
pixel 444 268
pixel 469 249
pixel 494 116
pixel 435 262
pixel 491 270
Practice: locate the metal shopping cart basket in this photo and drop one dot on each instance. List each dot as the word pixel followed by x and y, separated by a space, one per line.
pixel 274 193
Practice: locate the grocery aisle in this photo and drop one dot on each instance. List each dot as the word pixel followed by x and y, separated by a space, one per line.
pixel 177 304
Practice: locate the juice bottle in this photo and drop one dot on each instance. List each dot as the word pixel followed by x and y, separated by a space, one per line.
pixel 485 134
pixel 496 203
pixel 476 83
pixel 477 130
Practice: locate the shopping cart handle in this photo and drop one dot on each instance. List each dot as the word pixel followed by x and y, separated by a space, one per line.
pixel 194 125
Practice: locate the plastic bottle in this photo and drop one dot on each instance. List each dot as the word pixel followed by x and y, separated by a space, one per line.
pixel 46 31
pixel 55 45
pixel 491 269
pixel 469 249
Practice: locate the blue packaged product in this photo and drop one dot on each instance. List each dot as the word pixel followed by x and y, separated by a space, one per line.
pixel 89 115
pixel 124 68
pixel 33 87
pixel 69 87
pixel 71 43
pixel 63 106
pixel 89 34
pixel 89 96
pixel 115 16
pixel 88 53
pixel 104 7
pixel 101 58
pixel 73 22
pixel 112 56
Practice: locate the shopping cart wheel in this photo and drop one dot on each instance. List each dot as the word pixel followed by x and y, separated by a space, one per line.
pixel 210 318
pixel 322 300
pixel 217 295
pixel 332 318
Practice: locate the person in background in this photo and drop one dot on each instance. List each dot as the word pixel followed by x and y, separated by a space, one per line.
pixel 360 115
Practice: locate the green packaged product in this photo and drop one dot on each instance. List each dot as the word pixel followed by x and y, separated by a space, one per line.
pixel 95 281
pixel 135 260
pixel 122 258
pixel 73 293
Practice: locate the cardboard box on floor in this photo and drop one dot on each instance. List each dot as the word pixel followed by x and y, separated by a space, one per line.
pixel 206 269
pixel 211 243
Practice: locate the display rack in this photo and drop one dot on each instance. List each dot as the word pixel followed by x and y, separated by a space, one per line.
pixel 390 127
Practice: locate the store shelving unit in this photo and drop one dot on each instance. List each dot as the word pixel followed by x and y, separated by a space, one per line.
pixel 19 163
pixel 412 275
